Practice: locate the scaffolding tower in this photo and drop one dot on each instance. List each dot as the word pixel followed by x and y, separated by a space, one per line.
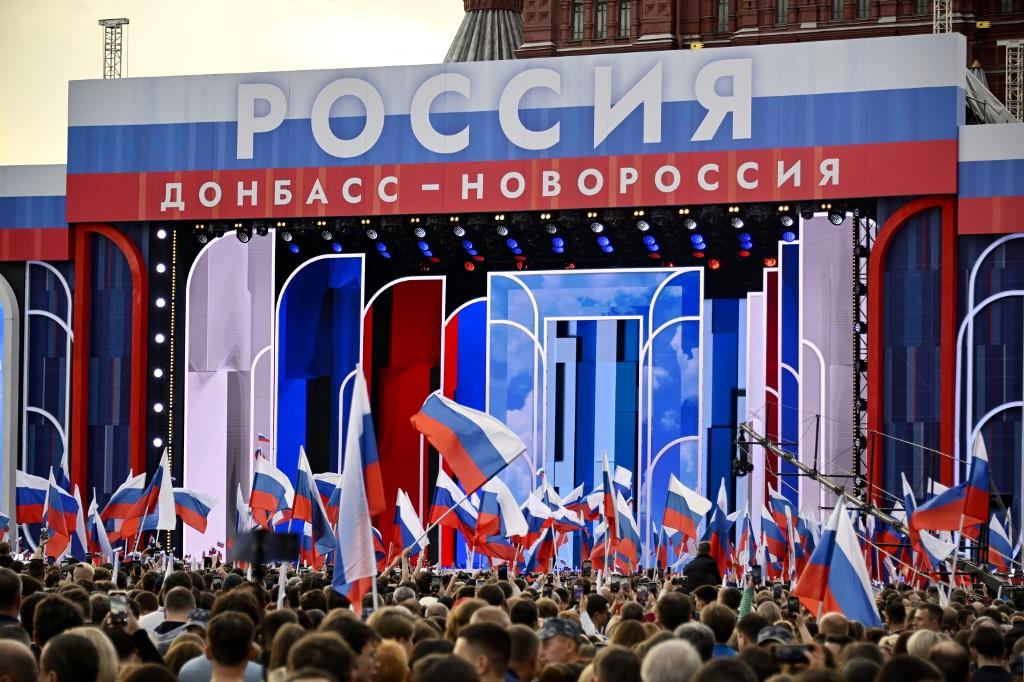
pixel 942 16
pixel 112 46
pixel 1014 98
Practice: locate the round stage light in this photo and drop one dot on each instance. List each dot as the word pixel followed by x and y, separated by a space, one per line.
pixel 551 228
pixel 472 252
pixel 158 373
pixel 428 253
pixel 690 224
pixel 700 246
pixel 336 247
pixel 649 239
pixel 459 231
pixel 736 222
pixel 469 265
pixel 160 302
pixel 382 247
pixel 512 243
pixel 371 234
pixel 420 232
pixel 159 338
pixel 294 248
pixel 696 238
pixel 202 237
pixel 244 234
pixel 422 245
pixel 744 236
pixel 466 244
pixel 157 442
pixel 608 248
pixel 744 253
pixel 787 221
pixel 788 236
pixel 653 248
pixel 158 407
pixel 517 252
pixel 603 241
pixel 557 242
pixel 502 231
pixel 327 235
pixel 714 264
pixel 770 262
pixel 385 255
pixel 596 228
pixel 161 233
pixel 558 249
pixel 161 268
pixel 643 225
pixel 836 217
pixel 698 254
pixel 286 235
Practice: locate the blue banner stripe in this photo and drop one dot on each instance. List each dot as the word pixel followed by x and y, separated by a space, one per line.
pixel 991 178
pixel 32 212
pixel 795 121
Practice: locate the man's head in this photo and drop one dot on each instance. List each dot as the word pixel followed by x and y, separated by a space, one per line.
pixel 525 651
pixel 487 647
pixel 491 614
pixel 725 669
pixel 988 645
pixel 524 612
pixel 704 549
pixel 325 651
pixel 928 617
pixel 83 572
pixel 952 659
pixel 361 639
pixel 616 664
pixel 69 658
pixel 598 611
pixel 747 629
pixel 177 603
pixel 909 669
pixel 699 636
pixel 834 624
pixel 19 664
pixel 53 615
pixel 896 615
pixel 559 641
pixel 672 610
pixel 446 667
pixel 720 619
pixel 10 592
pixel 672 661
pixel 230 638
pixel 705 594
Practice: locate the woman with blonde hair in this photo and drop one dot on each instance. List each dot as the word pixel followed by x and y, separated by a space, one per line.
pixel 922 642
pixel 105 648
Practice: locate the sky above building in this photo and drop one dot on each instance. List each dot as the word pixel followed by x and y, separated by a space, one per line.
pixel 46 43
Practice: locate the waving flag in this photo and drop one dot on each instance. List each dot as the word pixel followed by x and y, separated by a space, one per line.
pixel 565 521
pixel 408 529
pixel 99 544
pixel 934 549
pixel 775 540
pixel 326 485
pixel 977 485
pixel 363 423
pixel 379 553
pixel 307 507
pixel 746 552
pixel 193 507
pixel 540 554
pixel 576 502
pixel 448 496
pixel 783 511
pixel 355 566
pixel 159 509
pixel 685 509
pixel 499 512
pixel 623 482
pixel 61 516
pixel 60 473
pixel 836 578
pixel 538 518
pixel 29 497
pixel 79 538
pixel 5 525
pixel 608 488
pixel 498 547
pixel 999 549
pixel 474 444
pixel 126 498
pixel 628 543
pixel 272 492
pixel 717 532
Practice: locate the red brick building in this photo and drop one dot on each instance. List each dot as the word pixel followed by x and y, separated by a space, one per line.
pixel 553 27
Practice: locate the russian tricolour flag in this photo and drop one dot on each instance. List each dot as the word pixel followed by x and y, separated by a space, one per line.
pixel 408 529
pixel 61 517
pixel 124 500
pixel 474 444
pixel 29 497
pixel 367 444
pixel 1000 551
pixel 684 508
pixel 448 496
pixel 272 491
pixel 193 507
pixel 355 566
pixel 499 512
pixel 836 577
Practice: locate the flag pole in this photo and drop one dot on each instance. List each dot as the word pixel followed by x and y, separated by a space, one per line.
pixel 956 557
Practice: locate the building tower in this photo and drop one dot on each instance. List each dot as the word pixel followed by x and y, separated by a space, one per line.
pixel 112 46
pixel 491 30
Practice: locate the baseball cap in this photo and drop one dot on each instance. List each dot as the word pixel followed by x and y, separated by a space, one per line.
pixel 774 633
pixel 560 626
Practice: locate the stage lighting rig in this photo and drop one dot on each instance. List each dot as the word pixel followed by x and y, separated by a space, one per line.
pixel 261 228
pixel 325 230
pixel 836 216
pixel 243 233
pixel 203 235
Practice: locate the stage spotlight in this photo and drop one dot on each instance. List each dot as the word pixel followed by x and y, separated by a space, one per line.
pixel 596 228
pixel 422 245
pixel 382 247
pixel 158 373
pixel 161 268
pixel 161 233
pixel 714 264
pixel 294 248
pixel 336 247
pixel 836 217
pixel 698 254
pixel 261 228
pixel 161 302
pixel 286 235
pixel 603 241
pixel 608 248
pixel 786 220
pixel 202 234
pixel 159 338
pixel 551 228
pixel 744 253
pixel 244 234
pixel 459 231
pixel 642 225
pixel 467 244
pixel 736 222
pixel 158 442
pixel 372 234
pixel 420 233
pixel 770 262
pixel 512 243
pixel 788 236
pixel 806 212
pixel 690 224
pixel 326 234
pixel 502 231
pixel 469 265
pixel 158 407
pixel 649 239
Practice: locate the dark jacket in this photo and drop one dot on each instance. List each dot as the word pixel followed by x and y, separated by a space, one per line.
pixel 702 570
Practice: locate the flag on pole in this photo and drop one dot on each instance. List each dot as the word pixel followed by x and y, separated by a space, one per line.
pixel 977 485
pixel 628 543
pixel 685 509
pixel 499 512
pixel 60 516
pixel 29 497
pixel 282 584
pixel 448 495
pixel 623 482
pixel 60 473
pixel 836 577
pixel 538 518
pixel 79 539
pixel 354 565
pixel 608 487
pixel 307 507
pixel 474 444
pixel 363 423
pixel 5 525
pixel 272 491
pixel 717 532
pixel 999 549
pixel 124 500
pixel 408 529
pixel 99 543
pixel 193 507
pixel 576 502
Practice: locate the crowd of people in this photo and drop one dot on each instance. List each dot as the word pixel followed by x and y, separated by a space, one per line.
pixel 79 622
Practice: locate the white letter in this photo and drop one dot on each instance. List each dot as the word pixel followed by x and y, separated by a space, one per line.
pixel 175 202
pixel 647 92
pixel 829 172
pixel 316 193
pixel 627 178
pixel 738 103
pixel 551 185
pixel 478 185
pixel 346 191
pixel 581 182
pixel 419 113
pixel 792 172
pixel 243 193
pixel 702 177
pixel 320 117
pixel 508 109
pixel 659 179
pixel 248 123
pixel 282 195
pixel 741 175
pixel 507 179
pixel 209 203
pixel 383 193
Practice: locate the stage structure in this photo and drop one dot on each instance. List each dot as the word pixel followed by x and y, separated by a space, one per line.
pixel 624 254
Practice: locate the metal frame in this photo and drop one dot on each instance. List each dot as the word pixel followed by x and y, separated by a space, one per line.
pixel 112 54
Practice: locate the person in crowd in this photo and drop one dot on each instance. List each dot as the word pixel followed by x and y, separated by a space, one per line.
pixel 670 661
pixel 19 664
pixel 69 658
pixel 928 617
pixel 524 654
pixel 559 641
pixel 487 647
pixel 722 620
pixel 989 650
pixel 702 569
